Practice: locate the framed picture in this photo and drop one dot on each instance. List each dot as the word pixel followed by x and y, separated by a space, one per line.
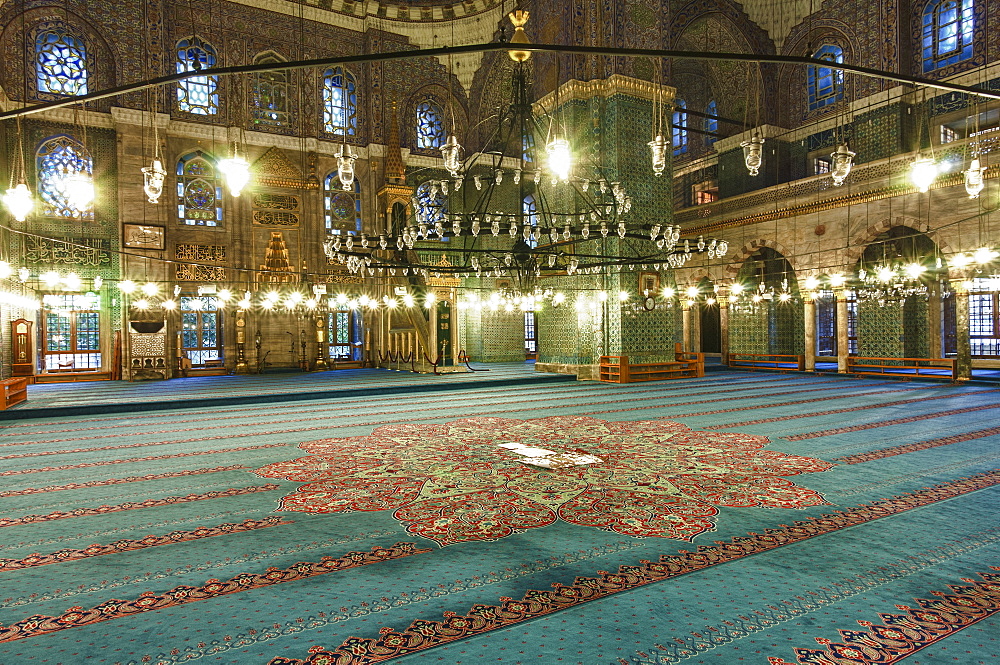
pixel 143 237
pixel 649 284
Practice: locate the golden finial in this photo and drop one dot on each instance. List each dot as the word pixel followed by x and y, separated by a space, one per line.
pixel 519 18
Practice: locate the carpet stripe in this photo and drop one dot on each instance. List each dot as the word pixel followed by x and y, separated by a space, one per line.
pixel 894 421
pixel 135 505
pixel 864 407
pixel 117 481
pixel 423 634
pixel 920 445
pixel 901 635
pixel 84 465
pixel 521 406
pixel 63 556
pixel 113 609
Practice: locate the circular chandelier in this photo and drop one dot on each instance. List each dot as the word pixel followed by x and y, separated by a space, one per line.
pixel 542 213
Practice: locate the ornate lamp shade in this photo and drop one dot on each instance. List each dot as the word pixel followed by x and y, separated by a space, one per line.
pixel 753 154
pixel 18 201
pixel 80 190
pixel 237 173
pixel 922 173
pixel 658 150
pixel 451 152
pixel 345 167
pixel 560 159
pixel 843 160
pixel 974 179
pixel 152 177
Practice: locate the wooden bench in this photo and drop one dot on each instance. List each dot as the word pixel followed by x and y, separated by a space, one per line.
pixel 884 366
pixel 618 369
pixel 768 360
pixel 14 392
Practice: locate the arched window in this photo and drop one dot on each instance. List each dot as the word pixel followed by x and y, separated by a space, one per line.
pixel 948 27
pixel 432 205
pixel 712 122
pixel 60 63
pixel 826 84
pixel 58 160
pixel 269 95
pixel 340 102
pixel 530 212
pixel 199 194
pixel 430 130
pixel 198 94
pixel 680 132
pixel 342 208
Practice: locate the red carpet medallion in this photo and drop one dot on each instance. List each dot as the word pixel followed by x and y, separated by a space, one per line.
pixel 472 479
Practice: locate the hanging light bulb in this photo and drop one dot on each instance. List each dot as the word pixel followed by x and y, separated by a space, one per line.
pixel 843 160
pixel 923 170
pixel 79 190
pixel 560 160
pixel 974 179
pixel 451 153
pixel 152 179
pixel 236 170
pixel 18 201
pixel 753 153
pixel 658 148
pixel 345 167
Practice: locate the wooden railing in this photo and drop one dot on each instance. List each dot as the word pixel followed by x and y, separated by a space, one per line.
pixel 768 360
pixel 13 391
pixel 618 369
pixel 940 367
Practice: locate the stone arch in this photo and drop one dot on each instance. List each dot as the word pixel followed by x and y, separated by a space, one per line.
pixel 867 235
pixel 750 248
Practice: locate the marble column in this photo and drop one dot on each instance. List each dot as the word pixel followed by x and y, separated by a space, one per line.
pixel 963 358
pixel 843 345
pixel 686 324
pixel 809 328
pixel 723 299
pixel 934 318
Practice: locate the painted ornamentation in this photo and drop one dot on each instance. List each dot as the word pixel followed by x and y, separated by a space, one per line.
pixel 455 482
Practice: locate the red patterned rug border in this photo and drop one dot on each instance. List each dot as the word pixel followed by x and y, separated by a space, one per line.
pixel 901 635
pixel 129 545
pixel 118 481
pixel 87 465
pixel 37 625
pixel 919 445
pixel 424 634
pixel 134 505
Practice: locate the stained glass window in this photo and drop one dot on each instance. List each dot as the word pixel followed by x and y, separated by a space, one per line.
pixel 679 129
pixel 343 209
pixel 711 123
pixel 198 94
pixel 199 194
pixel 430 131
pixel 530 211
pixel 340 102
pixel 432 205
pixel 72 333
pixel 58 160
pixel 61 63
pixel 825 84
pixel 528 147
pixel 948 28
pixel 269 95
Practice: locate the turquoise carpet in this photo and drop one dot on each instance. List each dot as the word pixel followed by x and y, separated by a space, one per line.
pixel 743 517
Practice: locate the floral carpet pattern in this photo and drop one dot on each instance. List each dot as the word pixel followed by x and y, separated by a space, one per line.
pixel 454 482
